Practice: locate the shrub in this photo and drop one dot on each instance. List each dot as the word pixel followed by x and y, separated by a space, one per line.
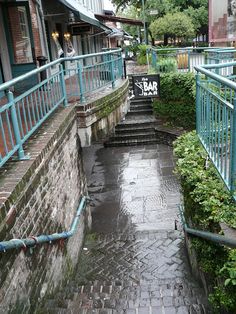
pixel 167 65
pixel 142 54
pixel 177 99
pixel 208 203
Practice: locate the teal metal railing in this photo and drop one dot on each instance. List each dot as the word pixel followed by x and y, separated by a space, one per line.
pixel 185 59
pixel 216 238
pixel 216 117
pixel 24 109
pixel 35 240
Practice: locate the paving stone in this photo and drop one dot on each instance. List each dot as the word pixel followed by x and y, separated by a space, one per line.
pixel 143 310
pixel 169 310
pixel 182 310
pixel 136 262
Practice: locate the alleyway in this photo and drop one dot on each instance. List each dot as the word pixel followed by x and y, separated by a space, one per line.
pixel 133 260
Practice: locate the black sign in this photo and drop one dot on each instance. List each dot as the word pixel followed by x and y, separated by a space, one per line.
pixel 146 85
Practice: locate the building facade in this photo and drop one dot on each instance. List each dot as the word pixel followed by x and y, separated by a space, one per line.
pixel 52 29
pixel 222 22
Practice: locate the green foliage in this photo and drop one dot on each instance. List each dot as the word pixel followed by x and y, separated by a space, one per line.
pixel 177 99
pixel 223 300
pixel 178 87
pixel 175 114
pixel 142 54
pixel 229 269
pixel 212 256
pixel 207 203
pixel 167 65
pixel 211 202
pixel 176 24
pixel 199 17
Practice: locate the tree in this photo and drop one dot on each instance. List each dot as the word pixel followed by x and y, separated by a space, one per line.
pixel 180 4
pixel 173 25
pixel 197 10
pixel 199 18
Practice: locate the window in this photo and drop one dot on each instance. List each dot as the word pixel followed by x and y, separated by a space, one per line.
pixel 19 29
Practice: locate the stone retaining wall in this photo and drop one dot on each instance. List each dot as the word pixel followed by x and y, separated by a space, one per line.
pixel 99 117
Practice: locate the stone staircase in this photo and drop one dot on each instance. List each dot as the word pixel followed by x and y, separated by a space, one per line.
pixel 138 127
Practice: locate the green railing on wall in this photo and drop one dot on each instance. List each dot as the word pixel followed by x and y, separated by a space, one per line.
pixel 185 59
pixel 65 79
pixel 216 117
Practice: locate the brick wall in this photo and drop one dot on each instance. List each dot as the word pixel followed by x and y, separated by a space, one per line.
pixel 21 42
pixel 40 196
pixel 35 28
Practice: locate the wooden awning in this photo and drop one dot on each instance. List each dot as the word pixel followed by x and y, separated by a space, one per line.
pixel 124 20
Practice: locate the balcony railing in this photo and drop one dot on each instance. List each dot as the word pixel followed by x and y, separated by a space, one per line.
pixel 26 106
pixel 216 117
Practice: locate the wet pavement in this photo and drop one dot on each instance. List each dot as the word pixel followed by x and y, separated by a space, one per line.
pixel 134 261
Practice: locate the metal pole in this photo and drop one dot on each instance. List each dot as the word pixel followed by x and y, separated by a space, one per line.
pixel 144 24
pixel 233 151
pixel 63 85
pixel 16 129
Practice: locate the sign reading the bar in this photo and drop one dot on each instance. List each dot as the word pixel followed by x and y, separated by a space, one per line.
pixel 146 85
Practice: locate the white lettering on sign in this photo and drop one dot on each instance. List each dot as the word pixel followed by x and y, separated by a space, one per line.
pixel 148 88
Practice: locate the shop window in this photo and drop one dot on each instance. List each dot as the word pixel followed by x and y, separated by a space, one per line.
pixel 20 35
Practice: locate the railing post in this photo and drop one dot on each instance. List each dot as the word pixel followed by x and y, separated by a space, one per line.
pixel 63 85
pixel 189 69
pixel 205 57
pixel 112 71
pixel 120 65
pixel 16 129
pixel 154 59
pixel 198 103
pixel 233 152
pixel 217 62
pixel 81 83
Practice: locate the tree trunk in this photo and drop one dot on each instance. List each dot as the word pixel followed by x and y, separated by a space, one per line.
pixel 165 40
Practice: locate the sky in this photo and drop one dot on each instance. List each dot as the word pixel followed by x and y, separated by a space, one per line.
pixel 108 5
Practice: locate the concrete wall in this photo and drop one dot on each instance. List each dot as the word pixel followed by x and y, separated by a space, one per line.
pixel 98 118
pixel 41 196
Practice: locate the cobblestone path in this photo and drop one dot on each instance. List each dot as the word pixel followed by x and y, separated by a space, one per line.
pixel 134 261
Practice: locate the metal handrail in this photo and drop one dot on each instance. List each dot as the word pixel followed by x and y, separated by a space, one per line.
pixel 184 48
pixel 22 114
pixel 204 70
pixel 20 78
pixel 35 240
pixel 216 238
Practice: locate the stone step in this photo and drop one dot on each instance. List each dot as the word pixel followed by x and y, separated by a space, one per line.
pixel 140 107
pixel 138 136
pixel 141 100
pixel 131 142
pixel 133 129
pixel 140 111
pixel 133 125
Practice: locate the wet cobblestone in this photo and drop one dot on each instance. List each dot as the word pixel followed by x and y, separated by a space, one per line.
pixel 134 261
